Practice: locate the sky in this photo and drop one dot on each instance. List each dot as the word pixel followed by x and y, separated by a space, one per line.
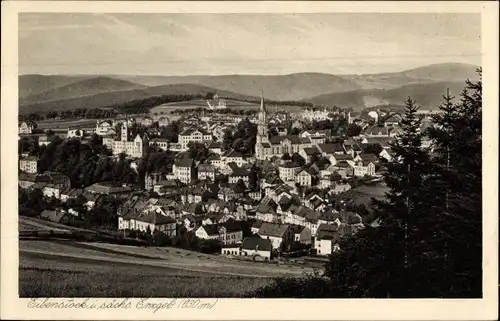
pixel 215 44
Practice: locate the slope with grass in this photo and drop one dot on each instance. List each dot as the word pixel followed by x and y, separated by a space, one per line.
pixel 81 88
pixel 118 97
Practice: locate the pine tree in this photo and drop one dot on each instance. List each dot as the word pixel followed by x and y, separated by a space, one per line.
pixel 457 185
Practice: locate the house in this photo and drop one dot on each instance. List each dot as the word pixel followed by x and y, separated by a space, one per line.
pixel 227 194
pixel 352 147
pixel 44 140
pixel 52 190
pixel 206 171
pixel 161 143
pixel 326 239
pixel 306 177
pixel 57 216
pixel 366 165
pixel 308 153
pixel 26 127
pixel 104 128
pixel 108 188
pixel 29 164
pixel 193 135
pixel 331 149
pixel 184 170
pixel 239 173
pixel 233 157
pixel 256 247
pixel 377 131
pixel 70 193
pixel 215 160
pixel 155 221
pixel 287 172
pixel 281 235
pixel 302 234
pixel 256 226
pixel 229 232
pixel 215 147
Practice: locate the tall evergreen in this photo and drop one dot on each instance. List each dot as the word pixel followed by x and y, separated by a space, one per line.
pixel 457 182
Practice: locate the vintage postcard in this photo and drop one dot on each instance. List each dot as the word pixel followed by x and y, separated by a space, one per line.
pixel 249 160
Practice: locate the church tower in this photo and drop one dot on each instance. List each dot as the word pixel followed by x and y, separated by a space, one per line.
pixel 262 131
pixel 124 131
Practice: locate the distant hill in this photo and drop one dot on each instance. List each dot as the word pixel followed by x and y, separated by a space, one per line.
pixel 35 84
pixel 425 84
pixel 283 87
pixel 86 87
pixel 446 72
pixel 117 97
pixel 427 95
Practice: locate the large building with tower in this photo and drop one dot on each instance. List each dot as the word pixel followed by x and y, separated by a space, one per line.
pixel 276 146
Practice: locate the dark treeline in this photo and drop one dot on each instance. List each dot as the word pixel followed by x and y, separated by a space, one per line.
pixel 141 106
pixel 429 242
pixel 84 164
pixel 208 112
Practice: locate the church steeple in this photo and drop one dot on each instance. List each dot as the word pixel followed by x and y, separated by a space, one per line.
pixel 262 130
pixel 262 105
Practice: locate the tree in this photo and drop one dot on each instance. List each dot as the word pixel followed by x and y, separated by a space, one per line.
pixel 457 181
pixel 353 130
pixel 299 160
pixel 198 151
pixel 286 157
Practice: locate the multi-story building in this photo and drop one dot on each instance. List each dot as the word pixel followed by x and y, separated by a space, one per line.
pixel 288 171
pixel 26 127
pixel 104 128
pixel 28 164
pixel 184 170
pixel 193 135
pixel 206 171
pixel 161 143
pixel 132 147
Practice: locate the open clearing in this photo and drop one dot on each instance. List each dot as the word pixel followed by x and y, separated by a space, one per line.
pixel 77 269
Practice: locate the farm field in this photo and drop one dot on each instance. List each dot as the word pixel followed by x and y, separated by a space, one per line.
pixel 231 104
pixel 66 268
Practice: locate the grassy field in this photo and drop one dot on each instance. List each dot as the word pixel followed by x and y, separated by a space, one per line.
pixel 77 269
pixel 231 104
pixel 36 282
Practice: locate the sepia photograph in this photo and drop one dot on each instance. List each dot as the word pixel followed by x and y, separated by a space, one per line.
pixel 250 155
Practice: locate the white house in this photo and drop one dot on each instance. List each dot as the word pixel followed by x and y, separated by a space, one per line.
pixel 28 164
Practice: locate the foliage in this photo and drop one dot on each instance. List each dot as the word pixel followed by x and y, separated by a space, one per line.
pixel 428 244
pixel 353 130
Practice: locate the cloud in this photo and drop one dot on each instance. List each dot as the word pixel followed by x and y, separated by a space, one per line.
pixel 239 43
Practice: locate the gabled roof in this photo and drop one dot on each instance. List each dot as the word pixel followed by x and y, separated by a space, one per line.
pixel 211 229
pixel 328 232
pixel 271 229
pixel 233 153
pixel 184 162
pixel 206 168
pixel 256 243
pixel 310 150
pixel 54 216
pixel 331 148
pixel 155 218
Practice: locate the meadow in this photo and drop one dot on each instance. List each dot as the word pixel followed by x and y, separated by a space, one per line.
pixel 36 282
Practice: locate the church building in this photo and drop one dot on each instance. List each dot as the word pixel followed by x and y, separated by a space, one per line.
pixel 268 147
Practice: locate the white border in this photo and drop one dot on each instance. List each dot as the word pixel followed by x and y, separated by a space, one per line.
pixel 481 309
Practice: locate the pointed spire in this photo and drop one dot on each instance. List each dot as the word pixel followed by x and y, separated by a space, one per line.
pixel 262 106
